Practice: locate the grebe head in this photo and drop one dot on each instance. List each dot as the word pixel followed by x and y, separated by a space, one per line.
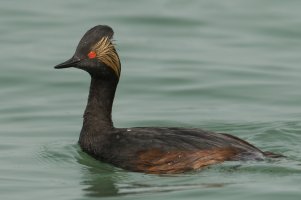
pixel 96 54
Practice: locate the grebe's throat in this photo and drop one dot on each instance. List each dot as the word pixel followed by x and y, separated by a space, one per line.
pixel 98 113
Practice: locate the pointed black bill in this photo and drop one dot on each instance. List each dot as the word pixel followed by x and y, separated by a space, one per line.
pixel 69 63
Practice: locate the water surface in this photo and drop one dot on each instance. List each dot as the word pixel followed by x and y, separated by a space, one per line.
pixel 230 66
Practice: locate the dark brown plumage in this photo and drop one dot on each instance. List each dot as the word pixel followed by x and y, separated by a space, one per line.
pixel 143 149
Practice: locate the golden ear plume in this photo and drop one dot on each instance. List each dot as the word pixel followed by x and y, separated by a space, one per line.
pixel 105 51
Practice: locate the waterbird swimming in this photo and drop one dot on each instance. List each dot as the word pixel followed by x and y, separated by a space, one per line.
pixel 156 150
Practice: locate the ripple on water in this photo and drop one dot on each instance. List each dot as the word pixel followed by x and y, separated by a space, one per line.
pixel 66 153
pixel 58 153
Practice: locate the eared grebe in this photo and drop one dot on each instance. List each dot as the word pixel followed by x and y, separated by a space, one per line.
pixel 155 150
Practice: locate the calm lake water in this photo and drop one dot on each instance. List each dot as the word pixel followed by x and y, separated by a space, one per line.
pixel 231 66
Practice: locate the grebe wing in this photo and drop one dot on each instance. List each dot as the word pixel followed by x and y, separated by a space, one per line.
pixel 173 150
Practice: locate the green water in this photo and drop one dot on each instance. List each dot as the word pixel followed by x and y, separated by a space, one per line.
pixel 230 66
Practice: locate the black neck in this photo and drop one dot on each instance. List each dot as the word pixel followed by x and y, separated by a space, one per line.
pixel 97 116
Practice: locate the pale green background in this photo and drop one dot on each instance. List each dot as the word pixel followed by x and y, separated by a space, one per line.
pixel 231 66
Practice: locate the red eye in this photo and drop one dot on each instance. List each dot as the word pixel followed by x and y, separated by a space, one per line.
pixel 92 54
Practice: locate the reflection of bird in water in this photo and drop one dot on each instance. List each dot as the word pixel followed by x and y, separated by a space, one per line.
pixel 147 149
